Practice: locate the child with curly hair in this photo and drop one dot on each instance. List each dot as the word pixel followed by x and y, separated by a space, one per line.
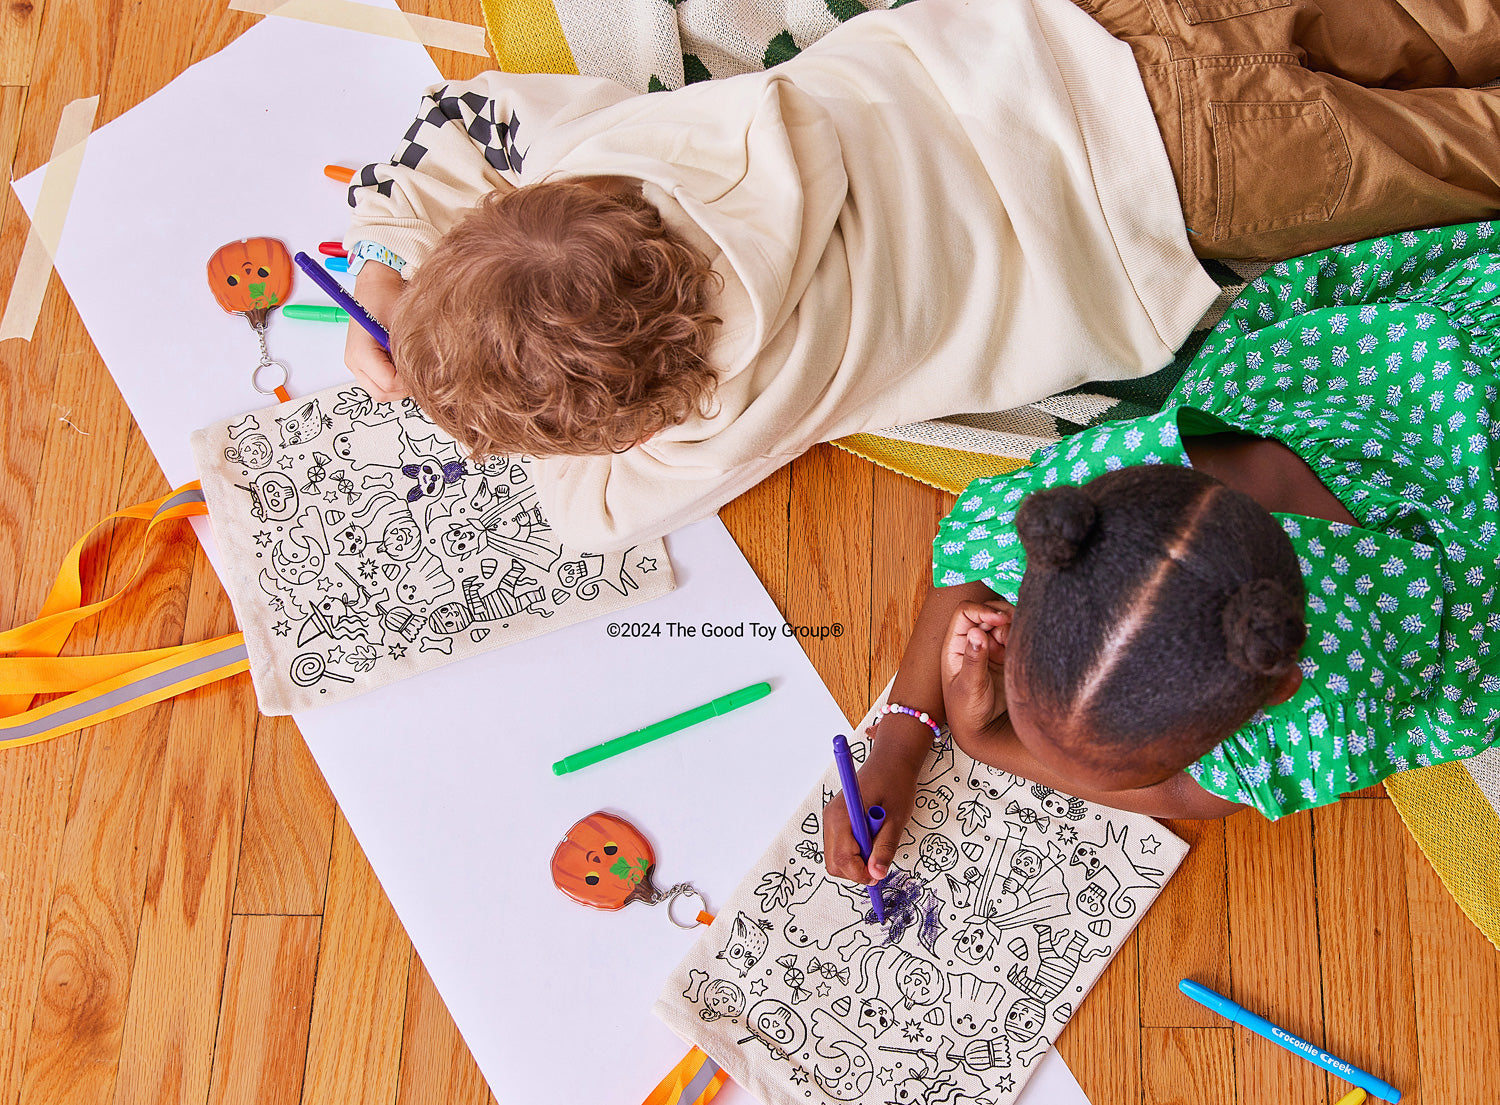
pixel 952 206
pixel 1279 589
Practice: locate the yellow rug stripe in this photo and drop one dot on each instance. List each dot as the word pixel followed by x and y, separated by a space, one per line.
pixel 946 469
pixel 526 37
pixel 1459 832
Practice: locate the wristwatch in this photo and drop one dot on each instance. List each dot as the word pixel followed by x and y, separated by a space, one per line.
pixel 373 251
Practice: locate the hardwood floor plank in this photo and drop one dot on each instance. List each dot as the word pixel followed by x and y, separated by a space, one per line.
pixel 906 515
pixel 73 881
pixel 1102 1043
pixel 1273 944
pixel 354 1052
pixel 171 1019
pixel 20 26
pixel 1185 934
pixel 12 105
pixel 1366 955
pixel 759 521
pixel 436 1064
pixel 829 569
pixel 1187 1066
pixel 266 1011
pixel 288 833
pixel 1457 977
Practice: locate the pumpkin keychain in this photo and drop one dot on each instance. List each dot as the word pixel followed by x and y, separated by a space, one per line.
pixel 252 277
pixel 606 863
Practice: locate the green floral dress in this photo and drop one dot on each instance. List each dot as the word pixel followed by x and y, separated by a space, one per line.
pixel 1377 364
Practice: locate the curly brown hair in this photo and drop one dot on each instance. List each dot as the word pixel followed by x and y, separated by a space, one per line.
pixel 564 318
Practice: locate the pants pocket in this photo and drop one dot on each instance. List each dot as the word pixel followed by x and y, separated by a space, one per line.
pixel 1210 11
pixel 1276 165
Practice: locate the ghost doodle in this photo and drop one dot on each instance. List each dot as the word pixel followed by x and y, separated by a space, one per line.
pixel 303 424
pixel 720 997
pixel 843 1069
pixel 827 900
pixel 965 991
pixel 777 1025
pixel 376 439
pixel 254 451
pixel 1108 859
pixel 746 945
pixel 991 782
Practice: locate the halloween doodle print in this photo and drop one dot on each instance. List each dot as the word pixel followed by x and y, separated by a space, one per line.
pixel 1003 905
pixel 376 549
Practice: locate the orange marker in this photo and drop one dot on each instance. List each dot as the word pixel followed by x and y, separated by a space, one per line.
pixel 339 173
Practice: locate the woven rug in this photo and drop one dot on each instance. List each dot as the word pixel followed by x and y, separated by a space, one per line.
pixel 1452 810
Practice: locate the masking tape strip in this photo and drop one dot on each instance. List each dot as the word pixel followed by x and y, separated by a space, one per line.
pixel 442 34
pixel 27 290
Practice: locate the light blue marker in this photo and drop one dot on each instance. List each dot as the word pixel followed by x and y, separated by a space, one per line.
pixel 1295 1044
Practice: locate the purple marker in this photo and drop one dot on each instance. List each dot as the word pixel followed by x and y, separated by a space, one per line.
pixel 343 299
pixel 859 818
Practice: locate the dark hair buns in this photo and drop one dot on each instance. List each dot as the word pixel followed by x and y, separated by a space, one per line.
pixel 1263 627
pixel 1055 526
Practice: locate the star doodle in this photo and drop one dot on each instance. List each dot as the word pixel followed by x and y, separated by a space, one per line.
pixel 1149 845
pixel 325 585
pixel 397 651
pixel 799 1075
pixel 330 496
pixel 885 1074
pixel 1006 1084
pixel 647 564
pixel 286 463
pixel 757 988
pixel 336 654
pixel 803 876
pixel 912 1030
pixel 282 628
pixel 263 538
pixel 824 990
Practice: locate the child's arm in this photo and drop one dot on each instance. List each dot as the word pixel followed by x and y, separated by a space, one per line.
pixel 889 775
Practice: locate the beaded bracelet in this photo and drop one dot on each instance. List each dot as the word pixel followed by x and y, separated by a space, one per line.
pixel 897 708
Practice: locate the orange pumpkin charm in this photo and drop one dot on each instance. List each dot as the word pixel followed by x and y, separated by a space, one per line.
pixel 604 862
pixel 250 277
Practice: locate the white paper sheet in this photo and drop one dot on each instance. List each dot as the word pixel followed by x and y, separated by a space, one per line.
pixel 445 778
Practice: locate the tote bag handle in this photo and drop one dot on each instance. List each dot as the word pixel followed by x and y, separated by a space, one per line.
pixel 97 688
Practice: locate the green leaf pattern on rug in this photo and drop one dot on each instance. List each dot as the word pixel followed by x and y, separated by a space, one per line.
pixel 844 10
pixel 694 70
pixel 780 49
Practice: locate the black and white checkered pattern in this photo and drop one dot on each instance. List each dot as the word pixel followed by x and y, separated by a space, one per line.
pixel 475 113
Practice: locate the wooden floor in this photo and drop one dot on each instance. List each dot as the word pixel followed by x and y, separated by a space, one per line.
pixel 186 917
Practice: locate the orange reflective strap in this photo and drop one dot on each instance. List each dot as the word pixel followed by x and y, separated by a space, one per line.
pixel 101 687
pixel 694 1081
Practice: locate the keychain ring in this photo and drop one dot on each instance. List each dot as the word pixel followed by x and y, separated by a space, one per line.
pixel 255 376
pixel 685 892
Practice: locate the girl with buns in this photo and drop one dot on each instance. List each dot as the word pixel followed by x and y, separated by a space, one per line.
pixel 1277 590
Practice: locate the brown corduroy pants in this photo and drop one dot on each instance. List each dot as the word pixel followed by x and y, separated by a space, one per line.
pixel 1294 125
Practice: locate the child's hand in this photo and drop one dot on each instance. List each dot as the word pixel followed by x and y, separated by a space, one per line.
pixel 974 665
pixel 889 779
pixel 378 288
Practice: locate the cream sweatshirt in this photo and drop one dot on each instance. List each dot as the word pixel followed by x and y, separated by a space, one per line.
pixel 954 206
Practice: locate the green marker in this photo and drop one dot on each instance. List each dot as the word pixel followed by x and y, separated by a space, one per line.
pixel 732 701
pixel 315 312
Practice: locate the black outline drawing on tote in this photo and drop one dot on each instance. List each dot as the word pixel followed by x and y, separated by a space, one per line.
pixel 376 535
pixel 951 1012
